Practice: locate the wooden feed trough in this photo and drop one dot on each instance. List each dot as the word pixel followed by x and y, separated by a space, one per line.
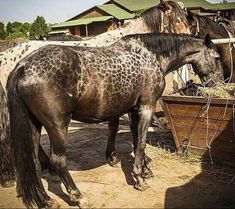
pixel 210 134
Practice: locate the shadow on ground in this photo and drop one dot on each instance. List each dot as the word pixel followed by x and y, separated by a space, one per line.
pixel 213 187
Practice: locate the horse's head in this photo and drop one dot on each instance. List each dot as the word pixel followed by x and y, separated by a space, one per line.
pixel 177 17
pixel 207 64
pixel 167 17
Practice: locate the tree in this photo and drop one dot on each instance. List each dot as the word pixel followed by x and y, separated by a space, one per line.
pixel 17 30
pixel 3 33
pixel 38 27
pixel 9 28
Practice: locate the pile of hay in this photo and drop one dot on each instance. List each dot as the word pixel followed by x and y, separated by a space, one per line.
pixel 226 91
pixel 221 90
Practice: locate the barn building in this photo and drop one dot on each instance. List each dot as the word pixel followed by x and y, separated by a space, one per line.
pixel 114 13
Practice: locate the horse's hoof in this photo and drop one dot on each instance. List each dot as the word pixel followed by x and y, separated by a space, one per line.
pixel 8 184
pixel 75 196
pixel 143 186
pixel 113 161
pixel 147 174
pixel 52 203
pixel 84 203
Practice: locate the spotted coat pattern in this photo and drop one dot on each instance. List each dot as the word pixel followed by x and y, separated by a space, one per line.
pixel 100 78
pixel 11 57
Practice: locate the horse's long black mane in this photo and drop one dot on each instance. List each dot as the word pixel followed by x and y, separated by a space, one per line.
pixel 153 20
pixel 163 43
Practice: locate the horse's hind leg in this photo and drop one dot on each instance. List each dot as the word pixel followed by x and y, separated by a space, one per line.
pixel 45 162
pixel 111 155
pixel 58 141
pixel 46 201
pixel 147 173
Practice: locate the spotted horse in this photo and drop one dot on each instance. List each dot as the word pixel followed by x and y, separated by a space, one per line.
pixel 60 83
pixel 166 17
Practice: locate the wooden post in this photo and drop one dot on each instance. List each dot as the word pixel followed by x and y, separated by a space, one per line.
pixel 86 30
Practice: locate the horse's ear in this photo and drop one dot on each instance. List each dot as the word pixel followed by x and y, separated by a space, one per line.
pixel 208 42
pixel 165 5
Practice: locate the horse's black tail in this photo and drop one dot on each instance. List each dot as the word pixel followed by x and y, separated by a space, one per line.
pixel 23 138
pixel 7 169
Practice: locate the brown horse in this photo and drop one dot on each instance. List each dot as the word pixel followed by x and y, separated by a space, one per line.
pixel 60 83
pixel 200 26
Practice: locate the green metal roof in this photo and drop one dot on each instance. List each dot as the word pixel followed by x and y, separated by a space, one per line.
pixel 197 3
pixel 85 21
pixel 137 5
pixel 58 32
pixel 225 6
pixel 115 11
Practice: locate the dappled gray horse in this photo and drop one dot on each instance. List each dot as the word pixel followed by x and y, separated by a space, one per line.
pixel 165 17
pixel 60 83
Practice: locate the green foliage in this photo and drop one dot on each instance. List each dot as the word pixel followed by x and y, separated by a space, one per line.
pixel 16 29
pixel 38 28
pixel 3 33
pixel 15 35
pixel 9 28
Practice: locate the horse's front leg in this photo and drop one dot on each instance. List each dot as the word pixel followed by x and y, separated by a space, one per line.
pixel 145 115
pixel 111 155
pixel 134 115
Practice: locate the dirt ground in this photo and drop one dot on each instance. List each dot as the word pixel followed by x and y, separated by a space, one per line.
pixel 178 182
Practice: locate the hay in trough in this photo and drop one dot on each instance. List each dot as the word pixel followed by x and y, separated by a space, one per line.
pixel 221 90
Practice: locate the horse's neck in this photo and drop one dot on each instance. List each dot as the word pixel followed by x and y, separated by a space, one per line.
pixel 177 60
pixel 211 29
pixel 110 37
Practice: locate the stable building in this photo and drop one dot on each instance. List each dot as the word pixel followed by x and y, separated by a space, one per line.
pixel 226 10
pixel 114 13
pixel 94 21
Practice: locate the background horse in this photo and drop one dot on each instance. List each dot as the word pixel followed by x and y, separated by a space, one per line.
pixel 60 83
pixel 166 17
pixel 200 26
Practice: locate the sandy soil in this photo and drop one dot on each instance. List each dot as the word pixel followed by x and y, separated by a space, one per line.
pixel 178 182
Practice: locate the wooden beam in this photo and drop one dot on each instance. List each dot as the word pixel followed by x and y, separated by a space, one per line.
pixel 224 41
pixel 86 30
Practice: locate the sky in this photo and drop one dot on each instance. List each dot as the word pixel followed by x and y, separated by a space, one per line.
pixel 53 11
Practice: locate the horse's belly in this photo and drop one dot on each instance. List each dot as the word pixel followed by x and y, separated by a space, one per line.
pixel 94 110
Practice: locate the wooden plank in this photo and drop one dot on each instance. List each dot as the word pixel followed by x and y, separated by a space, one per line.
pixel 189 121
pixel 192 99
pixel 167 112
pixel 215 112
pixel 198 136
